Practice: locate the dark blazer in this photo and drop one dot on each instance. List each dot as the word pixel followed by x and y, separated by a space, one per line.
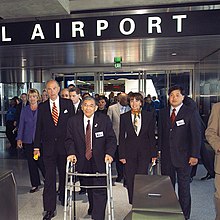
pixel 18 112
pixel 52 137
pixel 181 142
pixel 78 110
pixel 27 125
pixel 144 143
pixel 105 144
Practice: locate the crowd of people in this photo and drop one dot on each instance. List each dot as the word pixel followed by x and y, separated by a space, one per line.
pixel 89 131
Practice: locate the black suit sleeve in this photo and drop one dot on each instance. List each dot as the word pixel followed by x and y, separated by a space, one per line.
pixel 69 142
pixel 111 142
pixel 122 135
pixel 151 134
pixel 38 133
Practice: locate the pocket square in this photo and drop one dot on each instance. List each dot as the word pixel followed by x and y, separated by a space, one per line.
pixel 65 111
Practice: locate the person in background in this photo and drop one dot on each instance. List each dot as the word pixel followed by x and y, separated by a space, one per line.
pixel 97 97
pixel 77 106
pixel 207 154
pixel 71 86
pixel 25 138
pixel 102 104
pixel 65 93
pixel 90 143
pixel 85 94
pixel 148 104
pixel 212 134
pixel 179 140
pixel 111 98
pixel 52 118
pixel 44 95
pixel 75 97
pixel 137 144
pixel 114 112
pixel 10 125
pixel 20 106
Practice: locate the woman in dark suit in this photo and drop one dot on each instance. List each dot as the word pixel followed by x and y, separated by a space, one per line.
pixel 136 141
pixel 25 138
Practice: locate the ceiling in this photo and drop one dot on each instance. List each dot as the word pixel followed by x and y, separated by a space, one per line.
pixel 154 53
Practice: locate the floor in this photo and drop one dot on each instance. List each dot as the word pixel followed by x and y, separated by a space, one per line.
pixel 30 205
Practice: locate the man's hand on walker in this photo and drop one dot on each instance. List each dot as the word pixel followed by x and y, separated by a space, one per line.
pixel 108 158
pixel 72 158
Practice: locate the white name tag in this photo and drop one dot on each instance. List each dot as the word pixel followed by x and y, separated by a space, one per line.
pixel 99 134
pixel 180 122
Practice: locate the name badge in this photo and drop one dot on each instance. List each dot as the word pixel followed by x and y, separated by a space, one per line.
pixel 180 122
pixel 99 134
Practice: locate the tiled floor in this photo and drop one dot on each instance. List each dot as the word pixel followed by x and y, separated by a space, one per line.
pixel 30 205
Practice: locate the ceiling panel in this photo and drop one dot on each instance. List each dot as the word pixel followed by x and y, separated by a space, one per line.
pixel 101 53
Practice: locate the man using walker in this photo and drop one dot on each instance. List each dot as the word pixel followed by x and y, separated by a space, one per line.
pixel 90 143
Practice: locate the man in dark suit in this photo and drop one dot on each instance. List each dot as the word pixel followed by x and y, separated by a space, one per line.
pixel 24 102
pixel 75 97
pixel 179 141
pixel 91 142
pixel 53 115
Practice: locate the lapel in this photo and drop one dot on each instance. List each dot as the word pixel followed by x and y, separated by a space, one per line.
pixel 142 122
pixel 48 111
pixel 131 122
pixel 167 114
pixel 95 128
pixel 181 113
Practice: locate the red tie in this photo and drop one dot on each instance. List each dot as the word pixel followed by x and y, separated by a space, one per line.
pixel 88 141
pixel 55 114
pixel 173 117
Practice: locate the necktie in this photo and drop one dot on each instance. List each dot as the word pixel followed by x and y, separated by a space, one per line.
pixel 88 141
pixel 173 117
pixel 55 114
pixel 135 122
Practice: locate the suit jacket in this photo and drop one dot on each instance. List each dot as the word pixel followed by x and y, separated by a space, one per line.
pixel 144 144
pixel 18 112
pixel 27 125
pixel 114 115
pixel 101 145
pixel 51 137
pixel 181 142
pixel 78 110
pixel 213 133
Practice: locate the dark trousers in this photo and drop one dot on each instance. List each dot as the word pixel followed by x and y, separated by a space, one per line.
pixel 182 175
pixel 49 194
pixel 10 135
pixel 132 167
pixel 34 165
pixel 98 196
pixel 119 166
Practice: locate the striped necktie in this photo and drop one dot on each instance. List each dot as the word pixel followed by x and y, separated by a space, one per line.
pixel 173 117
pixel 55 114
pixel 88 141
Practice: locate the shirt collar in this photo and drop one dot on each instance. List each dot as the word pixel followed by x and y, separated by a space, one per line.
pixel 177 108
pixel 56 101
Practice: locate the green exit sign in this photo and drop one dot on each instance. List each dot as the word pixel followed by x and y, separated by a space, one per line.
pixel 117 59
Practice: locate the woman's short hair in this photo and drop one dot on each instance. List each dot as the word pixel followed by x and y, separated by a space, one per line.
pixel 137 96
pixel 32 91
